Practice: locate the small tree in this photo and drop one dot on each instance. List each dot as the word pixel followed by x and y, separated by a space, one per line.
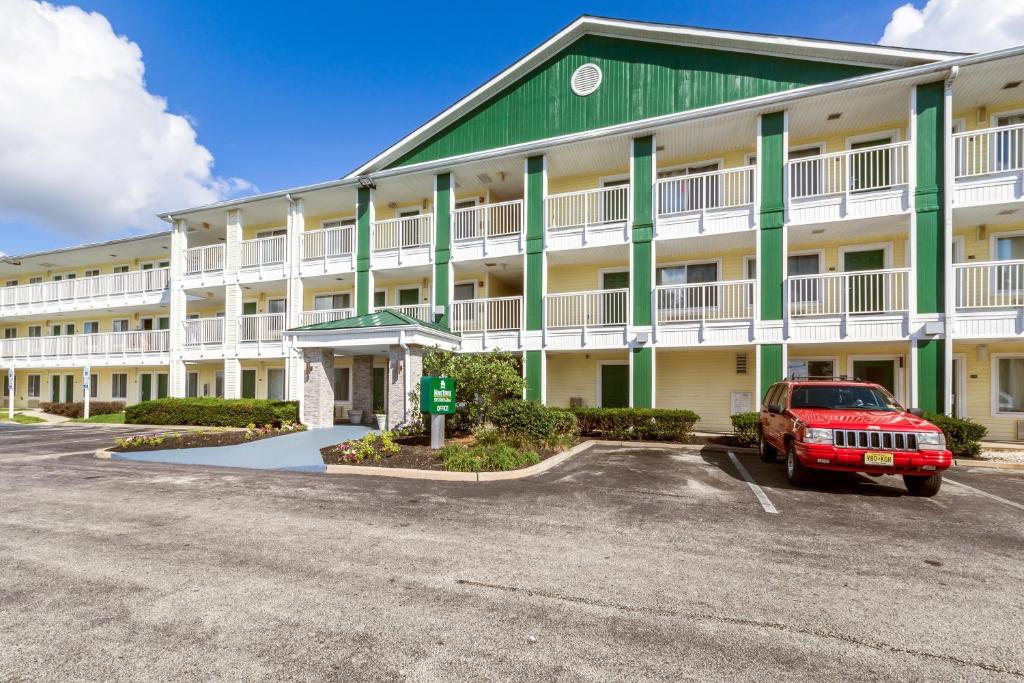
pixel 481 381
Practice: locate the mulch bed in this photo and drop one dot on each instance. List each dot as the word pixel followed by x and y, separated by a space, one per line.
pixel 179 440
pixel 416 454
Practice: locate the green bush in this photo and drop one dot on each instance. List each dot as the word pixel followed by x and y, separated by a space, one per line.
pixel 745 428
pixel 77 408
pixel 637 424
pixel 534 424
pixel 481 381
pixel 212 412
pixel 497 458
pixel 962 435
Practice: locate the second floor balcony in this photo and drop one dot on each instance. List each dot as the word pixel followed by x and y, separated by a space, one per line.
pixel 989 299
pixel 406 241
pixel 328 250
pixel 588 218
pixel 988 166
pixel 134 288
pixel 422 312
pixel 487 230
pixel 598 317
pixel 101 348
pixel 870 304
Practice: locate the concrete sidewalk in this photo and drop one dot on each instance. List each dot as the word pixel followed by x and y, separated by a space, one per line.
pixel 299 452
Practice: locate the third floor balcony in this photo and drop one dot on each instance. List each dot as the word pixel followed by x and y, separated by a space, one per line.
pixel 134 288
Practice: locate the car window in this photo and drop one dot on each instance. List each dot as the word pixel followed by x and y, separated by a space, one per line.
pixel 843 398
pixel 780 398
pixel 772 391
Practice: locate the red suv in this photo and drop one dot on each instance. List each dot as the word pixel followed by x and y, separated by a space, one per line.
pixel 850 426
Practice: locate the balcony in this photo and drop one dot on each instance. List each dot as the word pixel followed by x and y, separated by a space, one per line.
pixel 325 316
pixel 263 258
pixel 706 203
pixel 204 265
pixel 143 347
pixel 713 313
pixel 419 311
pixel 204 331
pixel 137 288
pixel 863 183
pixel 260 334
pixel 588 218
pixel 988 166
pixel 488 323
pixel 870 304
pixel 989 298
pixel 489 230
pixel 403 241
pixel 328 251
pixel 596 318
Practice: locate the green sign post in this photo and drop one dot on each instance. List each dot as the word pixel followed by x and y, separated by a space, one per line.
pixel 437 397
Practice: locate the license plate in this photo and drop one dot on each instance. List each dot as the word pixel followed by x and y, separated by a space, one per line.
pixel 872 458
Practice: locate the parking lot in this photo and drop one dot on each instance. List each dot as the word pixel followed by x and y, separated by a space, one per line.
pixel 621 563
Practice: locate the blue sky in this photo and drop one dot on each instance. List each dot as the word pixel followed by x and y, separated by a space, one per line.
pixel 287 94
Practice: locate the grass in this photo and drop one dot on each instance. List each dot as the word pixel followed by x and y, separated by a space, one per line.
pixel 23 419
pixel 107 418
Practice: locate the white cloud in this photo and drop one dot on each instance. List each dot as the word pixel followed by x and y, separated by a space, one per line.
pixel 957 25
pixel 85 149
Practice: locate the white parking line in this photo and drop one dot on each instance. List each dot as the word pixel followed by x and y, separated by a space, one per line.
pixel 762 497
pixel 985 493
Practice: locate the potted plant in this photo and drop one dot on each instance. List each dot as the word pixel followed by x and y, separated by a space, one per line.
pixel 382 421
pixel 355 417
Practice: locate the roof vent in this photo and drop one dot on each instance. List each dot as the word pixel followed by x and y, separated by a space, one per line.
pixel 586 79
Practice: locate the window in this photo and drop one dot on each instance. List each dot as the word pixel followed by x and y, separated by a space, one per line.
pixel 1008 277
pixel 806 289
pixel 1009 144
pixel 11 283
pixel 1010 248
pixel 121 269
pixel 163 264
pixel 806 179
pixel 409 297
pixel 91 327
pixel 332 302
pixel 192 385
pixel 35 330
pixel 341 384
pixel 218 384
pixel 614 205
pixel 119 385
pixel 1010 384
pixel 34 386
pixel 119 325
pixel 465 291
pixel 338 223
pixel 35 280
pixel 811 368
pixel 276 305
pixel 275 384
pixel 7 388
pixel 688 274
pixel 10 332
pixel 92 272
pixel 94 386
pixel 700 192
pixel 276 232
pixel 380 298
pixel 871 170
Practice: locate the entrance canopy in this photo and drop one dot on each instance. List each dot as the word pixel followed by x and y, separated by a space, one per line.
pixel 372 334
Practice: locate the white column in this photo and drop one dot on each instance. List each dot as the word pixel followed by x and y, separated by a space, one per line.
pixel 296 293
pixel 11 385
pixel 177 306
pixel 86 390
pixel 232 305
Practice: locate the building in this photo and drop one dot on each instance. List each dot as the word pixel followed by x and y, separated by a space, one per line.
pixel 652 215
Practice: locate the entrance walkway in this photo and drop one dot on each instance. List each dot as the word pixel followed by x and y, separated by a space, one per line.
pixel 298 452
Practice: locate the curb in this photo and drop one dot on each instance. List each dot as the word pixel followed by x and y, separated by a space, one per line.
pixel 103 454
pixel 988 464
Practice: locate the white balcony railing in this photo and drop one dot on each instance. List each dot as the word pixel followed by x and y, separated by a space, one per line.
pixel 325 316
pixel 323 244
pixel 701 302
pixel 208 259
pixel 861 170
pixel 991 284
pixel 488 220
pixel 599 308
pixel 991 150
pixel 100 287
pixel 487 315
pixel 260 327
pixel 588 208
pixel 729 188
pixel 861 292
pixel 264 251
pixel 101 344
pixel 403 233
pixel 199 331
pixel 418 311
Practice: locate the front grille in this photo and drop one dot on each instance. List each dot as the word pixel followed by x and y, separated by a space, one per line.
pixel 869 438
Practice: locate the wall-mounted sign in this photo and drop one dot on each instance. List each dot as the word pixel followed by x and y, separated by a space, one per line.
pixel 740 402
pixel 437 395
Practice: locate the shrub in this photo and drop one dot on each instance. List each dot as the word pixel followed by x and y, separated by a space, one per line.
pixel 481 381
pixel 77 408
pixel 371 447
pixel 962 435
pixel 534 424
pixel 212 412
pixel 745 428
pixel 637 424
pixel 501 457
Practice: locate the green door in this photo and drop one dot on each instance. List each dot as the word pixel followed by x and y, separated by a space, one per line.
pixel 164 324
pixel 55 389
pixel 161 385
pixel 249 308
pixel 871 170
pixel 380 299
pixel 69 388
pixel 379 375
pixel 146 387
pixel 408 297
pixel 878 371
pixel 613 310
pixel 866 292
pixel 248 384
pixel 615 386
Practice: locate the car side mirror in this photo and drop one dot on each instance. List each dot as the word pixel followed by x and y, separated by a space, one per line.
pixel 916 412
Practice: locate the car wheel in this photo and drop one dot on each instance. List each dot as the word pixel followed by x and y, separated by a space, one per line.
pixel 925 487
pixel 768 452
pixel 796 472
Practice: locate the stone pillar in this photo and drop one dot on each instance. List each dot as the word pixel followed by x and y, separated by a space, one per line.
pixel 405 368
pixel 362 386
pixel 318 389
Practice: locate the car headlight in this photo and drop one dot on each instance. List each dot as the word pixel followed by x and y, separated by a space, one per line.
pixel 817 435
pixel 931 441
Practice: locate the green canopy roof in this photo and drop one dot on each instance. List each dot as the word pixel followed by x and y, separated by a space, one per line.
pixel 385 318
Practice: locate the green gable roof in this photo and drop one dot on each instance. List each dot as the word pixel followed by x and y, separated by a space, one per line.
pixel 385 318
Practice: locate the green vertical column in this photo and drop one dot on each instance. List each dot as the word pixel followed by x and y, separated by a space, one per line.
pixel 770 257
pixel 641 286
pixel 364 201
pixel 534 296
pixel 442 242
pixel 930 250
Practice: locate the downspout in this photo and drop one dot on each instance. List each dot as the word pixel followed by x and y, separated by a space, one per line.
pixel 405 376
pixel 947 236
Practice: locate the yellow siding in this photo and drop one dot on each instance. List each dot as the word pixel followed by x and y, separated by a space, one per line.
pixel 978 244
pixel 575 374
pixel 979 388
pixel 896 244
pixel 838 142
pixel 702 381
pixel 843 354
pixel 733 158
pixel 102 376
pixel 582 277
pixel 970 116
